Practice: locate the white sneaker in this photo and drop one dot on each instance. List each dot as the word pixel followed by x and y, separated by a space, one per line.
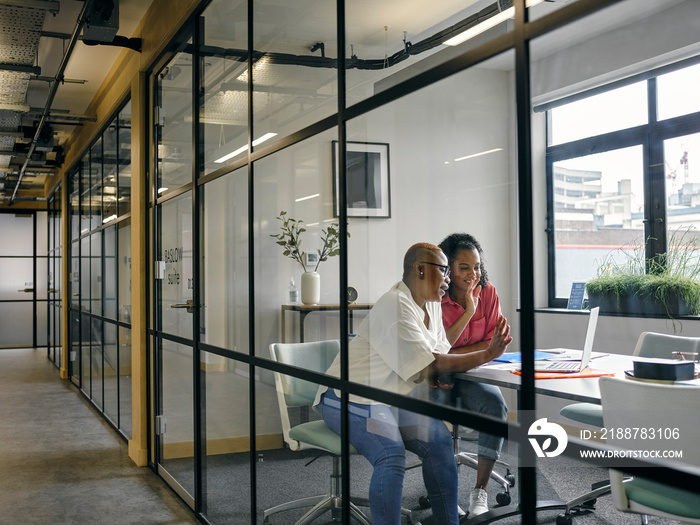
pixel 478 502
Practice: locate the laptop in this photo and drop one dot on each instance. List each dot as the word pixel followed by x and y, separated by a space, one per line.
pixel 574 366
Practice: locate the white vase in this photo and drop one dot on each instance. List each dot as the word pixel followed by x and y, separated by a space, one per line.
pixel 310 288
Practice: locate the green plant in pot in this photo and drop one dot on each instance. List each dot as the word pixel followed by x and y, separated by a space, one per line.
pixel 290 239
pixel 668 285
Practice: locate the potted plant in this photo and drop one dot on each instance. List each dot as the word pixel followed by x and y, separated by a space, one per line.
pixel 668 286
pixel 289 239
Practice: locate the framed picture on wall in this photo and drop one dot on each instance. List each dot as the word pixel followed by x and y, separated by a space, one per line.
pixel 368 184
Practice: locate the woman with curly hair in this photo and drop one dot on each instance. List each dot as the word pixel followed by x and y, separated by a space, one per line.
pixel 470 312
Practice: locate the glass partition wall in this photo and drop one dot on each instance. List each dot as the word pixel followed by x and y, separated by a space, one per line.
pixel 100 272
pixel 284 191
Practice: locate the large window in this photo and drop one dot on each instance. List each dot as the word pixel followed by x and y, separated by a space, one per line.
pixel 621 177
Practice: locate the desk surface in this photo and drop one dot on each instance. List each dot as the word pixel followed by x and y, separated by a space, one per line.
pixel 580 389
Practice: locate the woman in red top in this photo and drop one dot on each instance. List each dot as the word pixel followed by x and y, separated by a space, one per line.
pixel 470 311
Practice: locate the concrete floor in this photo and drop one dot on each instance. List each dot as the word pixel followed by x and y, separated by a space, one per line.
pixel 60 463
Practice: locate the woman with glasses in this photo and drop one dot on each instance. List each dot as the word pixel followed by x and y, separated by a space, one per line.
pixel 470 314
pixel 399 344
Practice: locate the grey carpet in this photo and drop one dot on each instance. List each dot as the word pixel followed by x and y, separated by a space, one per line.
pixel 283 476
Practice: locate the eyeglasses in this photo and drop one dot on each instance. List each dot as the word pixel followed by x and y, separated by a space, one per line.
pixel 444 269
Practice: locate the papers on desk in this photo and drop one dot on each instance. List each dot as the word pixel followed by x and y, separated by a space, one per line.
pixel 516 357
pixel 586 372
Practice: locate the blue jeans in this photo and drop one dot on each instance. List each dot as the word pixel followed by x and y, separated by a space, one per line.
pixel 477 397
pixel 382 435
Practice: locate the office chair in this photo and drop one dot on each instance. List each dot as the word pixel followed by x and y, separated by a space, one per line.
pixel 649 344
pixel 471 459
pixel 636 404
pixel 297 393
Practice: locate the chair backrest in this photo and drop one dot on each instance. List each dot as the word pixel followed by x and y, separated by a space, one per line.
pixel 656 407
pixel 651 344
pixel 293 392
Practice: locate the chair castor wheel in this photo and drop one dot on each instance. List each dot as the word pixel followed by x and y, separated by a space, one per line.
pixel 424 502
pixel 510 478
pixel 564 519
pixel 503 499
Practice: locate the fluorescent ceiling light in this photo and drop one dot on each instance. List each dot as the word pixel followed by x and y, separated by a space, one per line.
pixel 307 197
pixel 479 154
pixel 486 24
pixel 110 218
pixel 266 136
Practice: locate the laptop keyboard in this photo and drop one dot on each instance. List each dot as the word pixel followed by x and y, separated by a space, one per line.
pixel 564 365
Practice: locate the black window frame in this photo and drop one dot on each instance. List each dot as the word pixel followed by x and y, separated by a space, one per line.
pixel 650 137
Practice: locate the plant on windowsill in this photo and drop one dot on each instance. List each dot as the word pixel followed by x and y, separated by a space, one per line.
pixel 290 240
pixel 670 286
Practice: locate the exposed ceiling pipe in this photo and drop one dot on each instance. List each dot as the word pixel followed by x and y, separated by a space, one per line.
pixel 82 17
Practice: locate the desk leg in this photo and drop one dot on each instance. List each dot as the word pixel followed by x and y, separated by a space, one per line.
pixel 302 320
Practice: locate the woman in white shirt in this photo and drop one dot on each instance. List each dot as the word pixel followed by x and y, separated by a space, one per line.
pixel 400 343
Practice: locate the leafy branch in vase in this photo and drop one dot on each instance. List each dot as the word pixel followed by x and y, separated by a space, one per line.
pixel 289 239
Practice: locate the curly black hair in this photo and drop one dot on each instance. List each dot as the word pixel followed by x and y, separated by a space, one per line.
pixel 463 241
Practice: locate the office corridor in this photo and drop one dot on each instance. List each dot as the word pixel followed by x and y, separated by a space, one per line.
pixel 60 463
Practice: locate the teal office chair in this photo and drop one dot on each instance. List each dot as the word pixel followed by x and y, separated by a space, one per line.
pixel 649 344
pixel 293 393
pixel 636 404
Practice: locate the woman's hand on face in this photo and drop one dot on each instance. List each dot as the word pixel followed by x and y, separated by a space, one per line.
pixel 500 340
pixel 472 298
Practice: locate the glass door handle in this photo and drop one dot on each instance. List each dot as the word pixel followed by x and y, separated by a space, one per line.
pixel 28 290
pixel 189 305
pixel 51 290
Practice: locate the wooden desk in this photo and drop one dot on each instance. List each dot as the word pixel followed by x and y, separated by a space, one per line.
pixel 306 309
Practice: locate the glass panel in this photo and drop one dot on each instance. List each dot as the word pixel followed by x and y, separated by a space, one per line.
pixel 109 187
pixel 96 273
pixel 19 316
pixel 177 444
pixel 677 92
pixel 16 230
pixel 85 354
pixel 41 277
pixel 224 108
pixel 225 261
pixel 598 209
pixel 175 250
pixel 226 468
pixel 174 129
pixel 85 204
pixel 124 269
pixel 17 276
pixel 111 376
pixel 125 381
pixel 75 275
pixel 610 111
pixel 683 199
pixel 292 85
pixel 96 361
pixel 85 284
pixel 41 323
pixel 96 185
pixel 110 281
pixel 42 233
pixel 294 181
pixel 124 160
pixel 395 43
pixel 74 356
pixel 75 205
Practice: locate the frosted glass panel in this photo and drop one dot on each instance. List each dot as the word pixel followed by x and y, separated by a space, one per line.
pixel 17 275
pixel 16 324
pixel 42 232
pixel 42 326
pixel 15 232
